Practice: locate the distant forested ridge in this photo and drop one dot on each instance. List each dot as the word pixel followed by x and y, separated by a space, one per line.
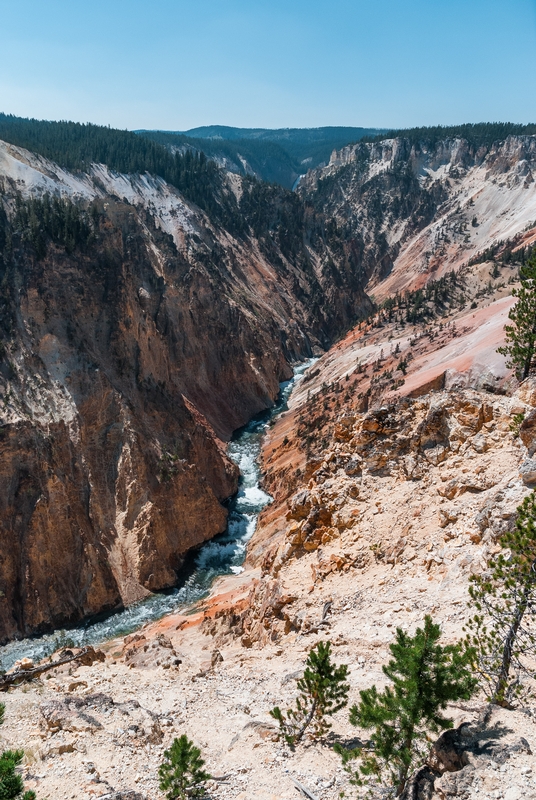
pixel 477 134
pixel 307 146
pixel 266 160
pixel 281 156
pixel 281 221
pixel 186 162
pixel 277 156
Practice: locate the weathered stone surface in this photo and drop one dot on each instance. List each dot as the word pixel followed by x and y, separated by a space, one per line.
pixel 62 715
pixel 527 392
pixel 527 433
pixel 527 471
pixel 300 506
pixel 446 754
pixel 456 784
pixel 138 653
pixel 420 786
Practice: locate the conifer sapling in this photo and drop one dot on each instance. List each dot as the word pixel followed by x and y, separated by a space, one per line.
pixel 425 676
pixel 11 786
pixel 181 773
pixel 521 335
pixel 502 634
pixel 323 692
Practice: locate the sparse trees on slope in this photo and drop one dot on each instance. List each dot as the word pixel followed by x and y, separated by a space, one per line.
pixel 521 335
pixel 323 692
pixel 181 773
pixel 503 632
pixel 425 676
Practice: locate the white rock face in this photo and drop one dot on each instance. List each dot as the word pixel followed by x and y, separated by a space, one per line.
pixel 34 176
pixel 478 197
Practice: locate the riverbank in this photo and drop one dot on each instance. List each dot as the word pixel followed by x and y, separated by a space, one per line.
pixel 223 555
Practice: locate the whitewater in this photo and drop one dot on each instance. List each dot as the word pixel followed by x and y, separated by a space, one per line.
pixel 223 555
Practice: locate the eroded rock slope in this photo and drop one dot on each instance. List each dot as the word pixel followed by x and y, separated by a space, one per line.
pixel 418 210
pixel 364 548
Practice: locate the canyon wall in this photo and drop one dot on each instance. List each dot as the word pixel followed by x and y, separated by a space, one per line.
pixel 419 210
pixel 130 356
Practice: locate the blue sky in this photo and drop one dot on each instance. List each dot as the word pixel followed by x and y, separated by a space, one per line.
pixel 173 65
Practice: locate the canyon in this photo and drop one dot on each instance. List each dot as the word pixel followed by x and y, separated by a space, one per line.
pixel 393 471
pixel 125 366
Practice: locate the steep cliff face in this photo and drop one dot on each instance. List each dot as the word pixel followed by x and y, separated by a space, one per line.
pixel 126 357
pixel 420 210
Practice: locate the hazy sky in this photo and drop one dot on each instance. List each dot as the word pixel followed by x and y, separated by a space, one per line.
pixel 171 64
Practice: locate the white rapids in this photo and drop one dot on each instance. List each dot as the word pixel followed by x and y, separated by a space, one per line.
pixel 223 555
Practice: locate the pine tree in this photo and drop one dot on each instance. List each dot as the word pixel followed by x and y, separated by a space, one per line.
pixel 181 774
pixel 323 692
pixel 11 786
pixel 521 335
pixel 503 632
pixel 425 677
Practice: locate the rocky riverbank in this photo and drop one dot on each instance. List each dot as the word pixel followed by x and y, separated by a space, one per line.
pixel 402 544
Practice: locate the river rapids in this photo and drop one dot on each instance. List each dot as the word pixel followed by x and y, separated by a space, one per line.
pixel 222 555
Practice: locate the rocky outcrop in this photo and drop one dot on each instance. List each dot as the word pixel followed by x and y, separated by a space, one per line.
pixel 417 487
pixel 401 441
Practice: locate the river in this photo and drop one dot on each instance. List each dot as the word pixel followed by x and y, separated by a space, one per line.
pixel 222 555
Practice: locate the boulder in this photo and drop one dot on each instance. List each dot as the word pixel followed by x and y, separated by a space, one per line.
pixel 527 392
pixel 420 786
pixel 159 652
pixel 353 467
pixel 480 443
pixel 527 433
pixel 300 506
pixel 446 754
pixel 90 656
pixel 449 489
pixel 527 472
pixel 456 784
pixel 446 516
pixel 436 455
pixel 63 715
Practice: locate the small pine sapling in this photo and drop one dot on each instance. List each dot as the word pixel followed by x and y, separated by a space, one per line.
pixel 425 677
pixel 11 785
pixel 181 774
pixel 323 692
pixel 502 634
pixel 516 423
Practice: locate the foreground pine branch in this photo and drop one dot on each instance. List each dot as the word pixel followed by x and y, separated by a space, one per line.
pixel 502 634
pixel 521 335
pixel 11 785
pixel 181 774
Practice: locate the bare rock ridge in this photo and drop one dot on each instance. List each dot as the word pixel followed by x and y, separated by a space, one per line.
pixel 126 359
